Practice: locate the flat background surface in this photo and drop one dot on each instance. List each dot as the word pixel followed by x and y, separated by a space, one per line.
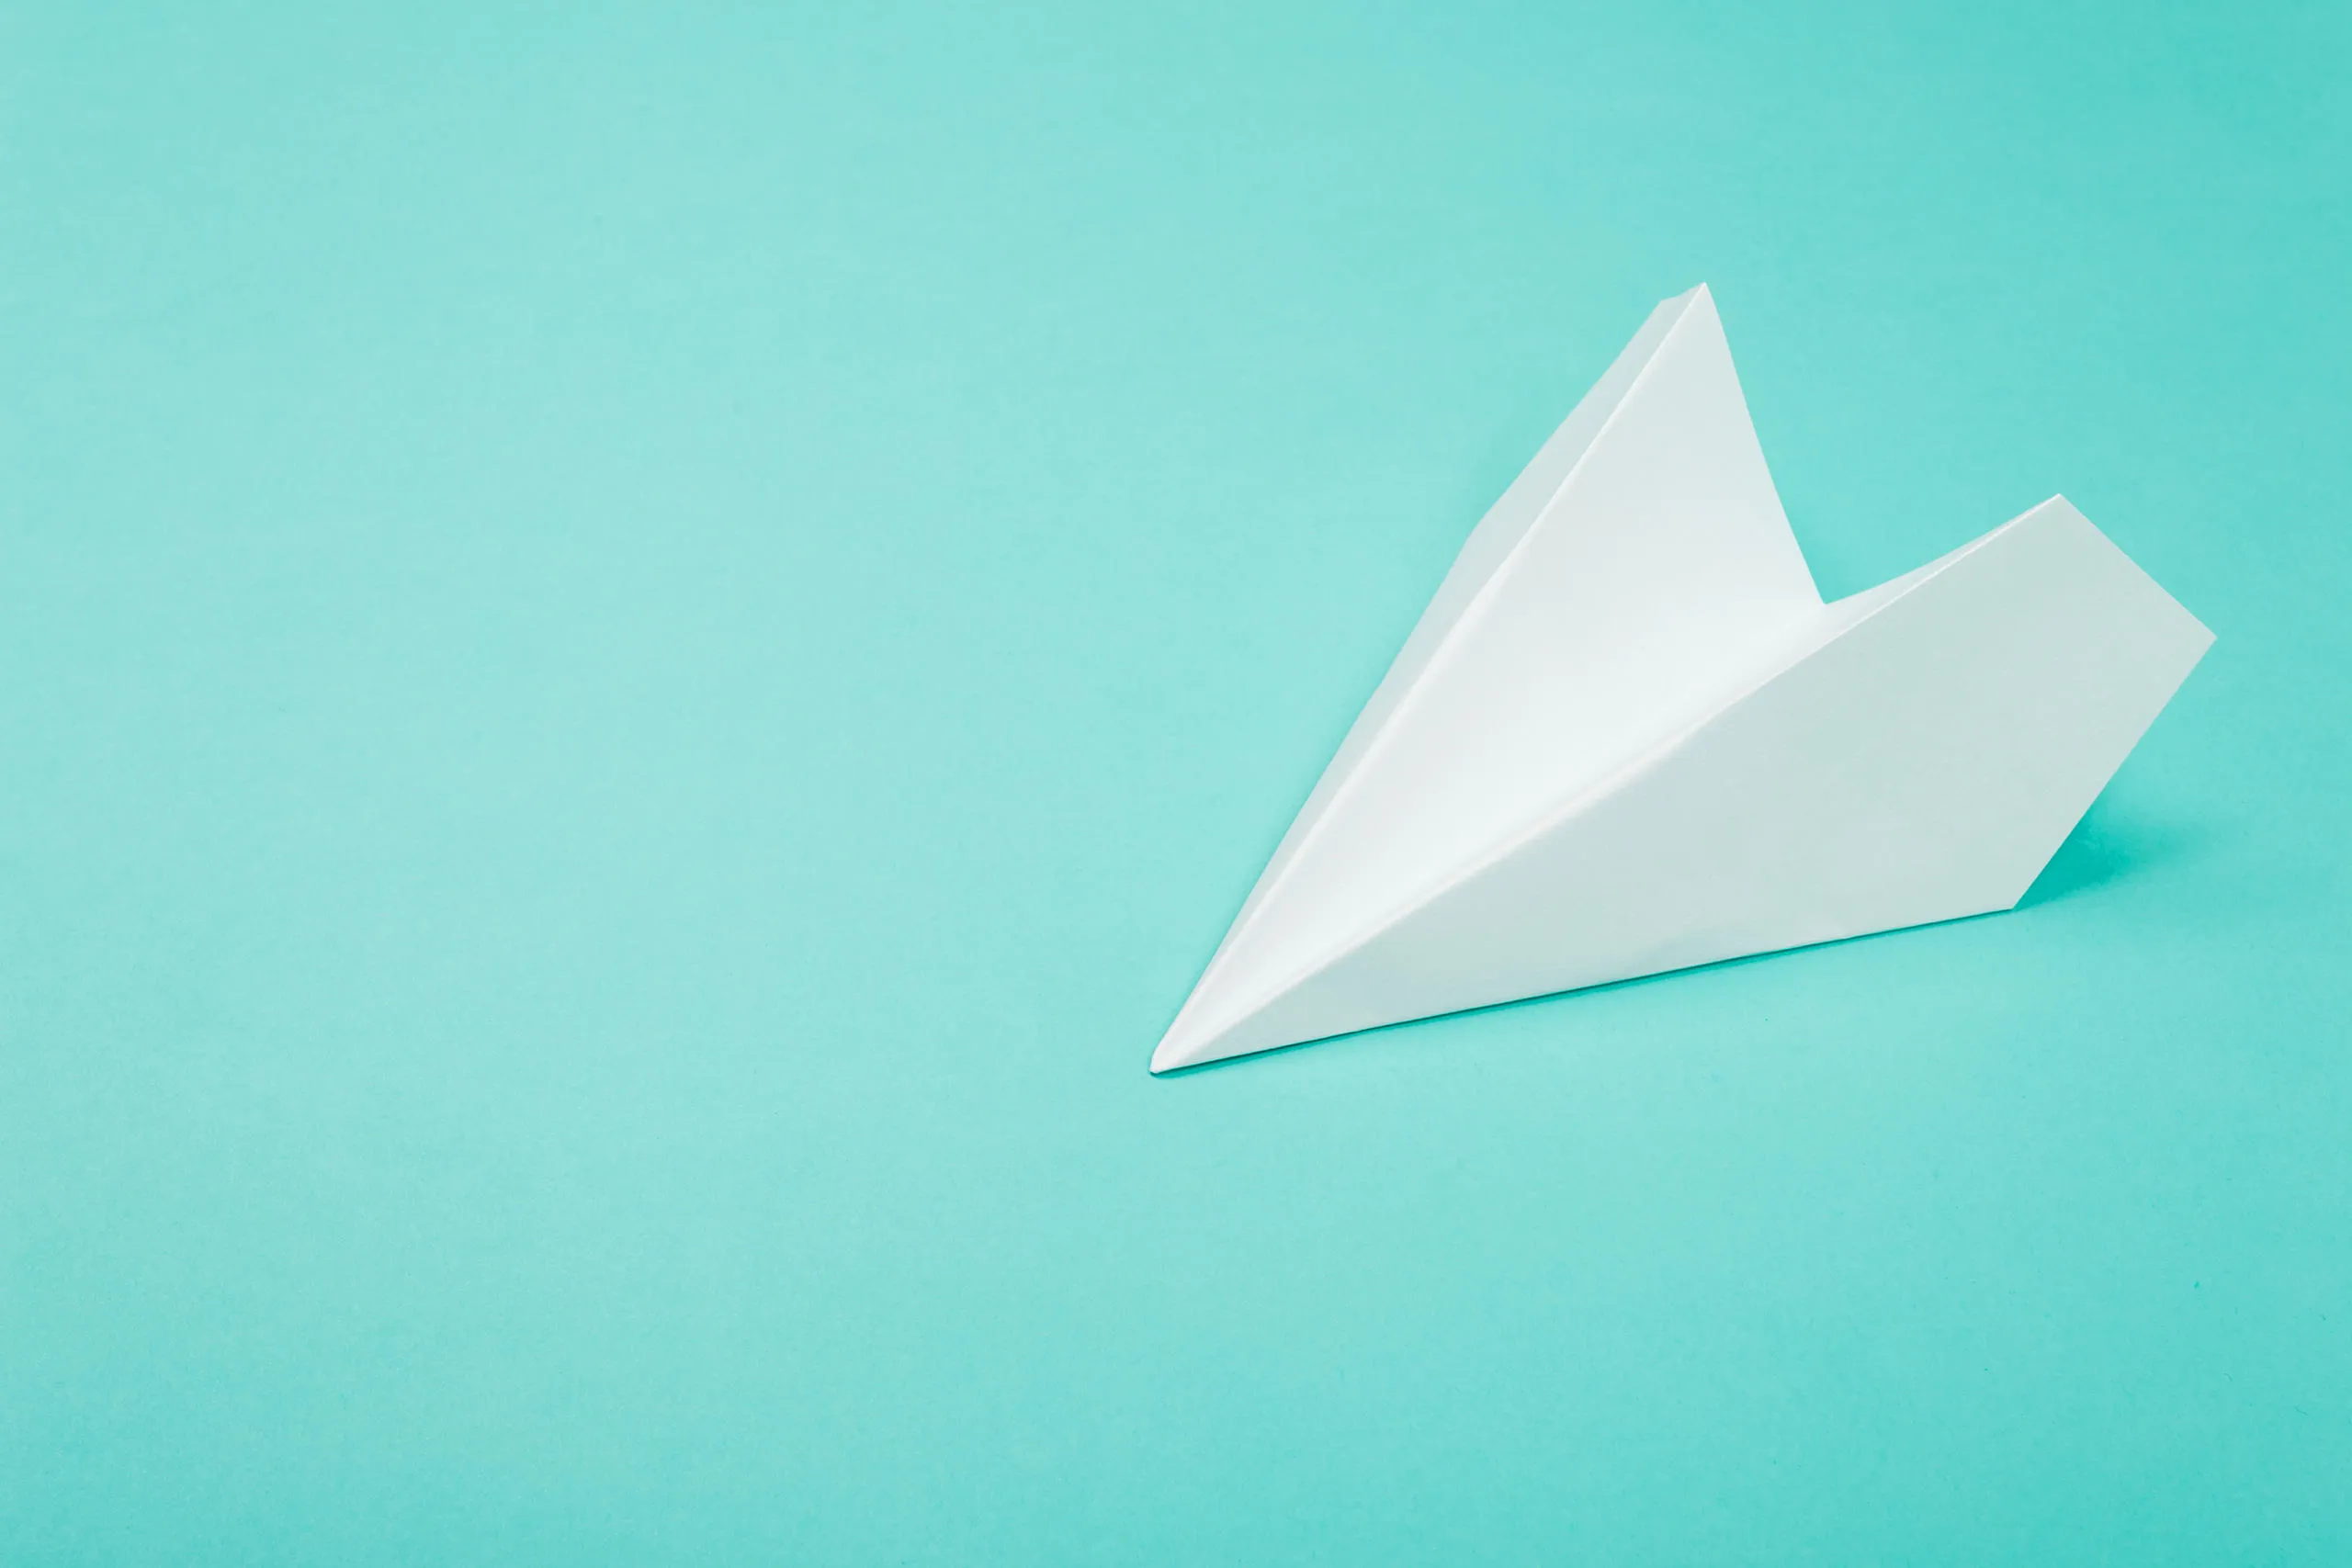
pixel 643 652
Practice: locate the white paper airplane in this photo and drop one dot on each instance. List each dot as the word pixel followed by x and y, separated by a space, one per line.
pixel 1628 737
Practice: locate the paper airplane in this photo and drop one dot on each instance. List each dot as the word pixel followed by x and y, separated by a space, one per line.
pixel 1628 737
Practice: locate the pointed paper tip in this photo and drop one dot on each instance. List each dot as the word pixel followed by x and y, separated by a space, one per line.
pixel 1168 1055
pixel 1183 1045
pixel 1679 307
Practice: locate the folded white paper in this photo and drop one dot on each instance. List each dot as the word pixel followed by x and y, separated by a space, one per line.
pixel 1628 737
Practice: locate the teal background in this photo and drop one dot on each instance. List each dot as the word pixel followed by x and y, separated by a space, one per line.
pixel 641 650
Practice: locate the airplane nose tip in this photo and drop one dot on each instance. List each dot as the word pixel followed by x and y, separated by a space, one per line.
pixel 1168 1055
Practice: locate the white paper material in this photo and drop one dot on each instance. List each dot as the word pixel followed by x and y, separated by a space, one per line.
pixel 1628 737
